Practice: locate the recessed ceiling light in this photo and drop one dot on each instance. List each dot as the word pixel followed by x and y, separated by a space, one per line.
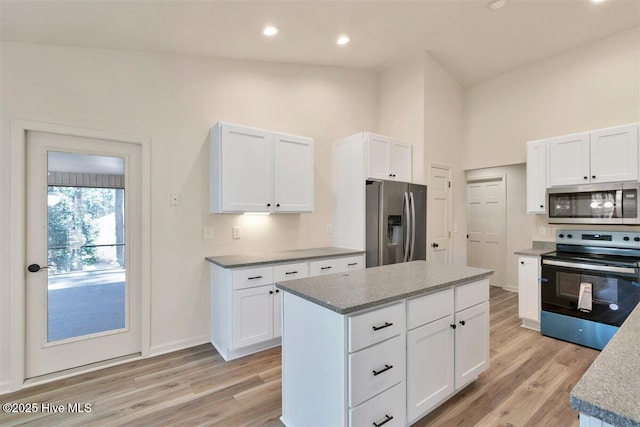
pixel 598 1
pixel 270 30
pixel 496 4
pixel 343 39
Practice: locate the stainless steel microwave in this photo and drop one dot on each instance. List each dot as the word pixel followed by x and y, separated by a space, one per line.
pixel 611 203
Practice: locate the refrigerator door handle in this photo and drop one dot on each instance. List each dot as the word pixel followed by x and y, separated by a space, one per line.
pixel 405 202
pixel 413 226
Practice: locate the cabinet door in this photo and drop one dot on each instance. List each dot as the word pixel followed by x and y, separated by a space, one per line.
pixel 277 313
pixel 614 154
pixel 400 163
pixel 472 343
pixel 568 160
pixel 536 176
pixel 429 366
pixel 252 315
pixel 378 157
pixel 293 173
pixel 246 169
pixel 528 288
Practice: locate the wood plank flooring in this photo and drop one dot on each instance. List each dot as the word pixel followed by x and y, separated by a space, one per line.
pixel 528 384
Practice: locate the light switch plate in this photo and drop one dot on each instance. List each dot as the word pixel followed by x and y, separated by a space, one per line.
pixel 207 233
pixel 174 199
pixel 329 229
pixel 237 232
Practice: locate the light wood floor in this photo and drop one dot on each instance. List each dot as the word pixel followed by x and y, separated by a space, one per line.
pixel 528 384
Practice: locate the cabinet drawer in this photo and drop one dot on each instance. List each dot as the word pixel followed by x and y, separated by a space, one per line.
pixel 286 272
pixel 472 294
pixel 326 266
pixel 251 277
pixel 386 406
pixel 428 308
pixel 375 369
pixel 375 326
pixel 352 263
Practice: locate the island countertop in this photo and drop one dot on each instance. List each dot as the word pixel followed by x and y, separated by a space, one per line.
pixel 357 290
pixel 610 389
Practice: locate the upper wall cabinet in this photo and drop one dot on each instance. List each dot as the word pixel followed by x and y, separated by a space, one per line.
pixel 536 176
pixel 254 170
pixel 605 155
pixel 388 158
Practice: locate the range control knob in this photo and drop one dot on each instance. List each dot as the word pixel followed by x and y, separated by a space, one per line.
pixel 636 239
pixel 569 236
pixel 561 235
pixel 625 238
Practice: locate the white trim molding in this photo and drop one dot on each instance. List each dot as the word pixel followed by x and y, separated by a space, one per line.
pixel 17 274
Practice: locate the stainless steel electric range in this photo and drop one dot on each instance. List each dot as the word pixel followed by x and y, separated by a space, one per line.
pixel 589 285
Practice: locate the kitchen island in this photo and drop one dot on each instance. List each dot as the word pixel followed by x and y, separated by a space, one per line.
pixel 381 346
pixel 608 394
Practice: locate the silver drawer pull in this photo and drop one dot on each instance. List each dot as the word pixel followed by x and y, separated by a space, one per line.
pixel 387 418
pixel 385 369
pixel 386 325
pixel 291 272
pixel 255 277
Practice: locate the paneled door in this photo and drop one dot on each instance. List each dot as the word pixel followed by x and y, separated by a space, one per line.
pixel 486 226
pixel 439 214
pixel 83 251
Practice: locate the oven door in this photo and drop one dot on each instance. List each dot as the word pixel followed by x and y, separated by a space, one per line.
pixel 615 289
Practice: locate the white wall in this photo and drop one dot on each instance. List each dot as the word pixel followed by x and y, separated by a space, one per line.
pixel 519 226
pixel 589 87
pixel 401 103
pixel 443 122
pixel 174 100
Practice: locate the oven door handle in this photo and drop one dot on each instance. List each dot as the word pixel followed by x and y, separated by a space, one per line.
pixel 592 267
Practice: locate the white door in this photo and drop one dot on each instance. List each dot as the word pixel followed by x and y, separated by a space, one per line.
pixel 84 250
pixel 568 160
pixel 293 173
pixel 252 315
pixel 247 169
pixel 472 343
pixel 614 154
pixel 485 227
pixel 439 216
pixel 429 366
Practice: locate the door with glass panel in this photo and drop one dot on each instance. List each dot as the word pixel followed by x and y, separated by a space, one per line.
pixel 83 242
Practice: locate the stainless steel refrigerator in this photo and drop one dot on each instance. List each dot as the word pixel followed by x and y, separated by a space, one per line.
pixel 396 222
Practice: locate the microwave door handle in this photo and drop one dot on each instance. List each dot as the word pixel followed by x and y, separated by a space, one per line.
pixel 607 268
pixel 413 226
pixel 405 201
pixel 618 205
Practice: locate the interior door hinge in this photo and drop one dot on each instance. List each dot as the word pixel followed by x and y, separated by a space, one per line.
pixel 449 184
pixel 449 234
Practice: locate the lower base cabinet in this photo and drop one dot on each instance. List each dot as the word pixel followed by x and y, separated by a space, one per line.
pixel 390 365
pixel 529 291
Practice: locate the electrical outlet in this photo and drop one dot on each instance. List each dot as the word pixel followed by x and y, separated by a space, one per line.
pixel 207 233
pixel 329 229
pixel 237 232
pixel 544 231
pixel 174 199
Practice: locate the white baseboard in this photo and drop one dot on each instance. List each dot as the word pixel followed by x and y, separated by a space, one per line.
pixel 510 289
pixel 178 345
pixel 5 387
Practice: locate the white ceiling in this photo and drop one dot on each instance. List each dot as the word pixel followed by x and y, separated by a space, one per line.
pixel 471 41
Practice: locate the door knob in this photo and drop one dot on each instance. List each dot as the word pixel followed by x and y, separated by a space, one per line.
pixel 34 268
pixel 434 245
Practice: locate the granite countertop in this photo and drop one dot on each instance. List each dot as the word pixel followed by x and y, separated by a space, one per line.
pixel 349 292
pixel 537 249
pixel 247 260
pixel 610 389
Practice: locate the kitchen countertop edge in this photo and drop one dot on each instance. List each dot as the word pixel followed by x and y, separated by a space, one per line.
pixel 250 260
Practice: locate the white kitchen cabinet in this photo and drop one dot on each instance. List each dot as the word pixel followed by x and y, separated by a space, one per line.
pixel 253 315
pixel 388 158
pixel 246 307
pixel 598 156
pixel 537 176
pixel 471 343
pixel 254 170
pixel 529 291
pixel 430 366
